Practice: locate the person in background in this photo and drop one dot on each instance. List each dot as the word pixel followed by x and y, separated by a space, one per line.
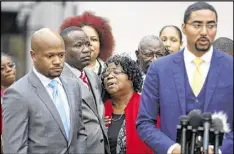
pixel 8 77
pixel 78 55
pixel 122 79
pixel 100 36
pixel 42 111
pixel 150 48
pixel 193 78
pixel 171 37
pixel 224 44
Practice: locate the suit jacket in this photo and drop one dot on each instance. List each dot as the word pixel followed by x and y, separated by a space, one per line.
pixel 93 112
pixel 32 123
pixel 165 87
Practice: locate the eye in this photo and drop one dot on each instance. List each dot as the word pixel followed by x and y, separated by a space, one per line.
pixel 94 39
pixel 197 25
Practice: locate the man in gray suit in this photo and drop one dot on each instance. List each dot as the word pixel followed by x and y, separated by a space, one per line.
pixel 42 110
pixel 77 46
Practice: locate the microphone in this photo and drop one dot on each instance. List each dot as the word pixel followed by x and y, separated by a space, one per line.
pixel 195 120
pixel 220 125
pixel 184 120
pixel 206 118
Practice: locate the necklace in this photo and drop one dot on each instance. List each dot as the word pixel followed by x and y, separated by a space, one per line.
pixel 117 118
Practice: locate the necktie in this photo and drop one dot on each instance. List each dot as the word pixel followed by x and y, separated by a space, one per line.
pixel 60 106
pixel 197 78
pixel 84 78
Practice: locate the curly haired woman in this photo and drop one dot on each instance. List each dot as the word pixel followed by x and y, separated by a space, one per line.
pixel 122 79
pixel 100 35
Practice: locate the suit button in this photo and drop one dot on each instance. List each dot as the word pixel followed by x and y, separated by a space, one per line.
pixel 101 140
pixel 196 100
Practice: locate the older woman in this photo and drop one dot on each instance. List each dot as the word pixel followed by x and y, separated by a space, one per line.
pixel 171 37
pixel 8 77
pixel 122 79
pixel 100 35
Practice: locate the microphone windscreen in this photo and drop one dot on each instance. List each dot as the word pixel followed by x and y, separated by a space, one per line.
pixel 206 116
pixel 222 117
pixel 217 124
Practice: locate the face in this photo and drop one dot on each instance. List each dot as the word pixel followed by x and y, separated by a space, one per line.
pixel 8 71
pixel 115 80
pixel 171 39
pixel 200 30
pixel 94 41
pixel 78 49
pixel 149 53
pixel 49 61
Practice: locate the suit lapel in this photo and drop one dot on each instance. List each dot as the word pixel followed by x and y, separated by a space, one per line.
pixel 72 107
pixel 95 91
pixel 179 77
pixel 44 96
pixel 212 77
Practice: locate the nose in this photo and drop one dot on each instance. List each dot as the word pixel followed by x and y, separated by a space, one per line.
pixel 56 60
pixel 167 44
pixel 154 58
pixel 86 49
pixel 8 69
pixel 203 31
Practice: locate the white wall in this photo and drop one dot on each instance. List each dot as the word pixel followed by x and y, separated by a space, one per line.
pixel 131 21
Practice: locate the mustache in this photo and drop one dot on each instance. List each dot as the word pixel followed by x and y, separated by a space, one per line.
pixel 203 38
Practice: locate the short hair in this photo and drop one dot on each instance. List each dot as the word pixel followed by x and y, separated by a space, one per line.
pixel 149 38
pixel 102 27
pixel 130 67
pixel 4 54
pixel 66 31
pixel 223 44
pixel 198 6
pixel 176 28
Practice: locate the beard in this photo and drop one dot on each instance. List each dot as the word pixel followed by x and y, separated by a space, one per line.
pixel 202 48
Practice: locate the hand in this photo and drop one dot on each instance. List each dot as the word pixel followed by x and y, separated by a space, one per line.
pixel 176 150
pixel 107 120
pixel 210 150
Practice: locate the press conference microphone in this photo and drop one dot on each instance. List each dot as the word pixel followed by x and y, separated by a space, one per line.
pixel 195 120
pixel 184 120
pixel 206 118
pixel 220 125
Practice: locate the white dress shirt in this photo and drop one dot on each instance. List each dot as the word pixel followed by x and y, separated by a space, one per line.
pixel 45 81
pixel 190 69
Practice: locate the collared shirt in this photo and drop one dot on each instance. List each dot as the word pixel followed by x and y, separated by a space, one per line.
pixel 191 67
pixel 45 81
pixel 76 72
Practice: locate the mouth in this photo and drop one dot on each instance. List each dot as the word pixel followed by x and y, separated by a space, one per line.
pixel 57 69
pixel 111 84
pixel 203 41
pixel 87 58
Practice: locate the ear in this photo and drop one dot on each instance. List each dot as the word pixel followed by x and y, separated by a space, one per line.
pixel 33 55
pixel 183 27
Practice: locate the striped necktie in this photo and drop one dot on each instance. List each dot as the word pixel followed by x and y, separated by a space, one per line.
pixel 83 77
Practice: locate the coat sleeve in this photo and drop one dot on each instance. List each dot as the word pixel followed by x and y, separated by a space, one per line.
pixel 148 112
pixel 15 122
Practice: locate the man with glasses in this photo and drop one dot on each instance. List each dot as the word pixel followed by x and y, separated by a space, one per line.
pixel 150 48
pixel 195 78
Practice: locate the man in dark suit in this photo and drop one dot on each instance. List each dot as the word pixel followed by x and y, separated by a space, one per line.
pixel 42 110
pixel 178 84
pixel 77 46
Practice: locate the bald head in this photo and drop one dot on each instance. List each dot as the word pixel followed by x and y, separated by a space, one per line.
pixel 44 39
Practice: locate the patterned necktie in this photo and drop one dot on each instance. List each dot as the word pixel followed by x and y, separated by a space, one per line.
pixel 197 78
pixel 83 77
pixel 60 106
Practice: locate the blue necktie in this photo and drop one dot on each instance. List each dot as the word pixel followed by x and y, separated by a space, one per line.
pixel 60 106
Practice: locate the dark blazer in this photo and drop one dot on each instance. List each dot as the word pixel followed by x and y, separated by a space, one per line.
pixel 165 87
pixel 32 123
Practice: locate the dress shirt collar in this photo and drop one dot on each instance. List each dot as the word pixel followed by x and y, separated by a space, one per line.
pixel 189 56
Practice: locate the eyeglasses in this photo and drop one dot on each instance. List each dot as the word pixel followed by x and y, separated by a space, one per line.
pixel 199 26
pixel 115 72
pixel 10 65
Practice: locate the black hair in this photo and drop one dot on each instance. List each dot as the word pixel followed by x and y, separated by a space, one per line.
pixel 130 67
pixel 176 28
pixel 198 6
pixel 66 31
pixel 223 44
